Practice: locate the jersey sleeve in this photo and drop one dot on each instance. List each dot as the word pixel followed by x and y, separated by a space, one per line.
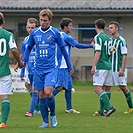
pixel 97 43
pixel 70 40
pixel 23 48
pixel 59 39
pixel 12 43
pixel 123 47
pixel 22 73
pixel 29 47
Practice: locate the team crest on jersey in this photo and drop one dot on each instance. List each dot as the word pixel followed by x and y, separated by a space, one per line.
pixel 48 37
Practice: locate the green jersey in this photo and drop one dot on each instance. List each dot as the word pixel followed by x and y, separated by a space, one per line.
pixel 6 42
pixel 120 46
pixel 102 44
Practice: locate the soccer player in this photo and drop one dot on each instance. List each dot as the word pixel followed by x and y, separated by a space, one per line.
pixel 64 79
pixel 101 68
pixel 118 60
pixel 32 23
pixel 6 42
pixel 48 41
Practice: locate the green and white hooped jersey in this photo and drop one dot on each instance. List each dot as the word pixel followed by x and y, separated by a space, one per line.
pixel 102 43
pixel 120 46
pixel 6 42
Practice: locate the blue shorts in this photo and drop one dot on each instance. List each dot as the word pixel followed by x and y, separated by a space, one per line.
pixel 70 84
pixel 64 79
pixel 43 78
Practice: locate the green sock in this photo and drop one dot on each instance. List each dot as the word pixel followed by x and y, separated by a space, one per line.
pixel 101 107
pixel 108 94
pixel 5 109
pixel 104 98
pixel 128 98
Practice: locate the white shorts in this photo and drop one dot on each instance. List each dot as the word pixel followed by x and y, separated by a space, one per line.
pixel 6 85
pixel 102 77
pixel 118 80
pixel 26 77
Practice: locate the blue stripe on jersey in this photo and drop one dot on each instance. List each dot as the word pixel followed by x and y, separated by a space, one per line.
pixel 31 60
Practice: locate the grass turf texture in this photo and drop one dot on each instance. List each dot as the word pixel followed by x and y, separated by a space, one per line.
pixel 85 101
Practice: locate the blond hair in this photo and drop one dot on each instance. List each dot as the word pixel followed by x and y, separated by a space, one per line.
pixel 46 12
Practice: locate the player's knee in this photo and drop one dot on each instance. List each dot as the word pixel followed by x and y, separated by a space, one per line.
pixel 60 88
pixel 123 88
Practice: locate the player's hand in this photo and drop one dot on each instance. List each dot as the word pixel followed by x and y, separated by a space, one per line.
pixel 71 72
pixel 121 72
pixel 22 78
pixel 92 41
pixel 20 64
pixel 92 70
pixel 16 67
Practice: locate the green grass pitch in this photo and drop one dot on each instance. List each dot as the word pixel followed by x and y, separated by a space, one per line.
pixel 85 101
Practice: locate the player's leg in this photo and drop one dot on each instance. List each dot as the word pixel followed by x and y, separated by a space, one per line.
pixel 121 82
pixel 101 111
pixel 68 97
pixel 34 98
pixel 126 91
pixel 39 83
pixel 5 90
pixel 43 109
pixel 61 81
pixel 48 90
pixel 51 105
pixel 57 89
pixel 27 84
pixel 98 88
pixel 37 108
pixel 107 89
pixel 108 83
pixel 5 107
pixel 128 97
pixel 33 103
pixel 34 106
pixel 98 82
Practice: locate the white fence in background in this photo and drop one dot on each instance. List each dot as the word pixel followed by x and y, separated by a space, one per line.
pixel 17 84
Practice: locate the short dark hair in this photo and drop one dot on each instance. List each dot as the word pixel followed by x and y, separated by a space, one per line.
pixel 1 18
pixel 65 22
pixel 100 23
pixel 33 20
pixel 115 23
